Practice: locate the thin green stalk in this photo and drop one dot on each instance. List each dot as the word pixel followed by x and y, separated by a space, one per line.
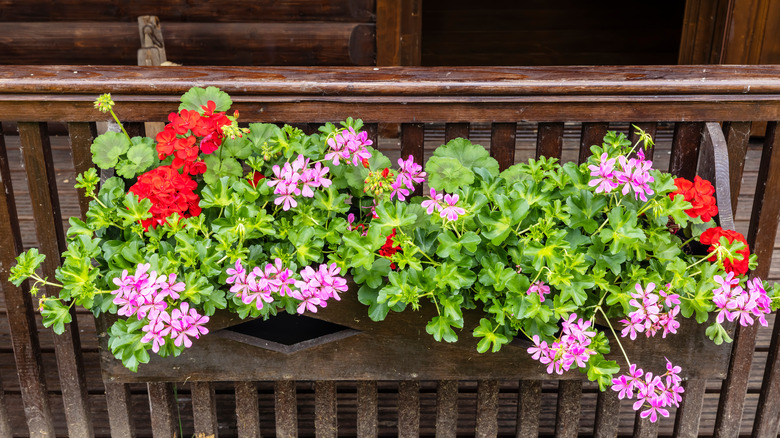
pixel 609 324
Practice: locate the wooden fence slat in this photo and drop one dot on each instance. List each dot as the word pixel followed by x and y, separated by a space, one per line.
pixel 19 311
pixel 648 127
pixel 737 139
pixel 502 143
pixel 487 408
pixel 567 417
pixel 286 407
pixel 204 408
pixel 763 231
pixel 163 409
pixel 592 134
pixel 42 184
pixel 247 410
pixel 373 134
pixel 760 238
pixel 456 130
pixel 686 423
pixel 5 426
pixel 713 167
pixel 325 407
pixel 685 149
pixel 412 142
pixel 529 403
pixel 119 404
pixel 549 140
pixel 408 408
pixel 367 409
pixel 447 409
pixel 644 428
pixel 607 414
pixel 81 137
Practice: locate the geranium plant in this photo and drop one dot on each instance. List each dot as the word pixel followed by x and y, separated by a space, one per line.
pixel 210 215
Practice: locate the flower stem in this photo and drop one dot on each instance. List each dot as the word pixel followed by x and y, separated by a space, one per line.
pixel 120 124
pixel 615 335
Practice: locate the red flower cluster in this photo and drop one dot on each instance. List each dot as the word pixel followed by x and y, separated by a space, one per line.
pixel 255 178
pixel 180 136
pixel 699 194
pixel 170 192
pixel 712 237
pixel 387 250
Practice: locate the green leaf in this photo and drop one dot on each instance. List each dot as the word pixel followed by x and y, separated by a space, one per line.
pixel 216 168
pixel 197 97
pixel 55 315
pixel 469 155
pixel 26 264
pixel 718 334
pixel 139 157
pixel 448 174
pixel 489 337
pixel 498 226
pixel 601 370
pixel 107 148
pixel 441 328
pixel 392 216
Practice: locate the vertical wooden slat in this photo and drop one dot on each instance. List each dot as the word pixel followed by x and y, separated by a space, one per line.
pixel 447 409
pixel 607 414
pixel 549 140
pixel 81 137
pixel 247 410
pixel 412 142
pixel 487 408
pixel 592 134
pixel 763 230
pixel 644 428
pixel 163 409
pixel 325 406
pixel 204 409
pixel 760 238
pixel 408 408
pixel 649 128
pixel 737 138
pixel 685 149
pixel 286 407
pixel 529 403
pixel 686 423
pixel 502 144
pixel 714 167
pixel 455 130
pixel 373 134
pixel 42 184
pixel 5 426
pixel 398 32
pixel 19 308
pixel 567 418
pixel 367 409
pixel 119 405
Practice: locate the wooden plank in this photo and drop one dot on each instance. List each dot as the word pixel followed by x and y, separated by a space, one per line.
pixel 685 149
pixel 152 51
pixel 367 409
pixel 648 127
pixel 455 130
pixel 447 409
pixel 502 143
pixel 398 32
pixel 325 407
pixel 286 408
pixel 686 422
pixel 644 428
pixel 249 43
pixel 204 408
pixel 163 409
pixel 119 406
pixel 714 167
pixel 412 143
pixel 567 417
pixel 529 403
pixel 592 134
pixel 409 408
pixel 487 408
pixel 19 308
pixel 5 426
pixel 42 185
pixel 607 414
pixel 762 232
pixel 737 138
pixel 373 133
pixel 81 136
pixel 247 410
pixel 549 140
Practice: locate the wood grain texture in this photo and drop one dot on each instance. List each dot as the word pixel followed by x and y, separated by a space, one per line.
pixel 686 422
pixel 204 409
pixel 119 405
pixel 592 134
pixel 487 408
pixel 163 409
pixel 607 414
pixel 567 417
pixel 737 138
pixel 714 167
pixel 644 428
pixel 408 408
pixel 549 140
pixel 502 143
pixel 447 409
pixel 398 32
pixel 5 425
pixel 367 422
pixel 81 136
pixel 412 141
pixel 685 149
pixel 325 407
pixel 247 410
pixel 286 408
pixel 455 130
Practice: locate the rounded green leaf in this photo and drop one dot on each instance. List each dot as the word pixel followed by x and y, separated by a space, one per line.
pixel 470 155
pixel 107 148
pixel 198 97
pixel 139 157
pixel 445 173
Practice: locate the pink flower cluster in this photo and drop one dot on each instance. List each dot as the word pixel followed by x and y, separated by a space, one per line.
pixel 571 348
pixel 410 173
pixel 297 179
pixel 144 295
pixel 655 393
pixel 633 174
pixel 540 288
pixel 735 302
pixel 349 146
pixel 654 312
pixel 260 286
pixel 444 204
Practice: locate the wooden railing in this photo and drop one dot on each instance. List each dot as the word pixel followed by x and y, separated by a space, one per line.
pixel 688 97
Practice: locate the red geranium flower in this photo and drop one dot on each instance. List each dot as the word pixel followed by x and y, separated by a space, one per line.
pixel 699 194
pixel 712 237
pixel 169 191
pixel 255 178
pixel 387 250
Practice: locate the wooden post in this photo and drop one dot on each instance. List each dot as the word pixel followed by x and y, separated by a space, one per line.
pixel 151 53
